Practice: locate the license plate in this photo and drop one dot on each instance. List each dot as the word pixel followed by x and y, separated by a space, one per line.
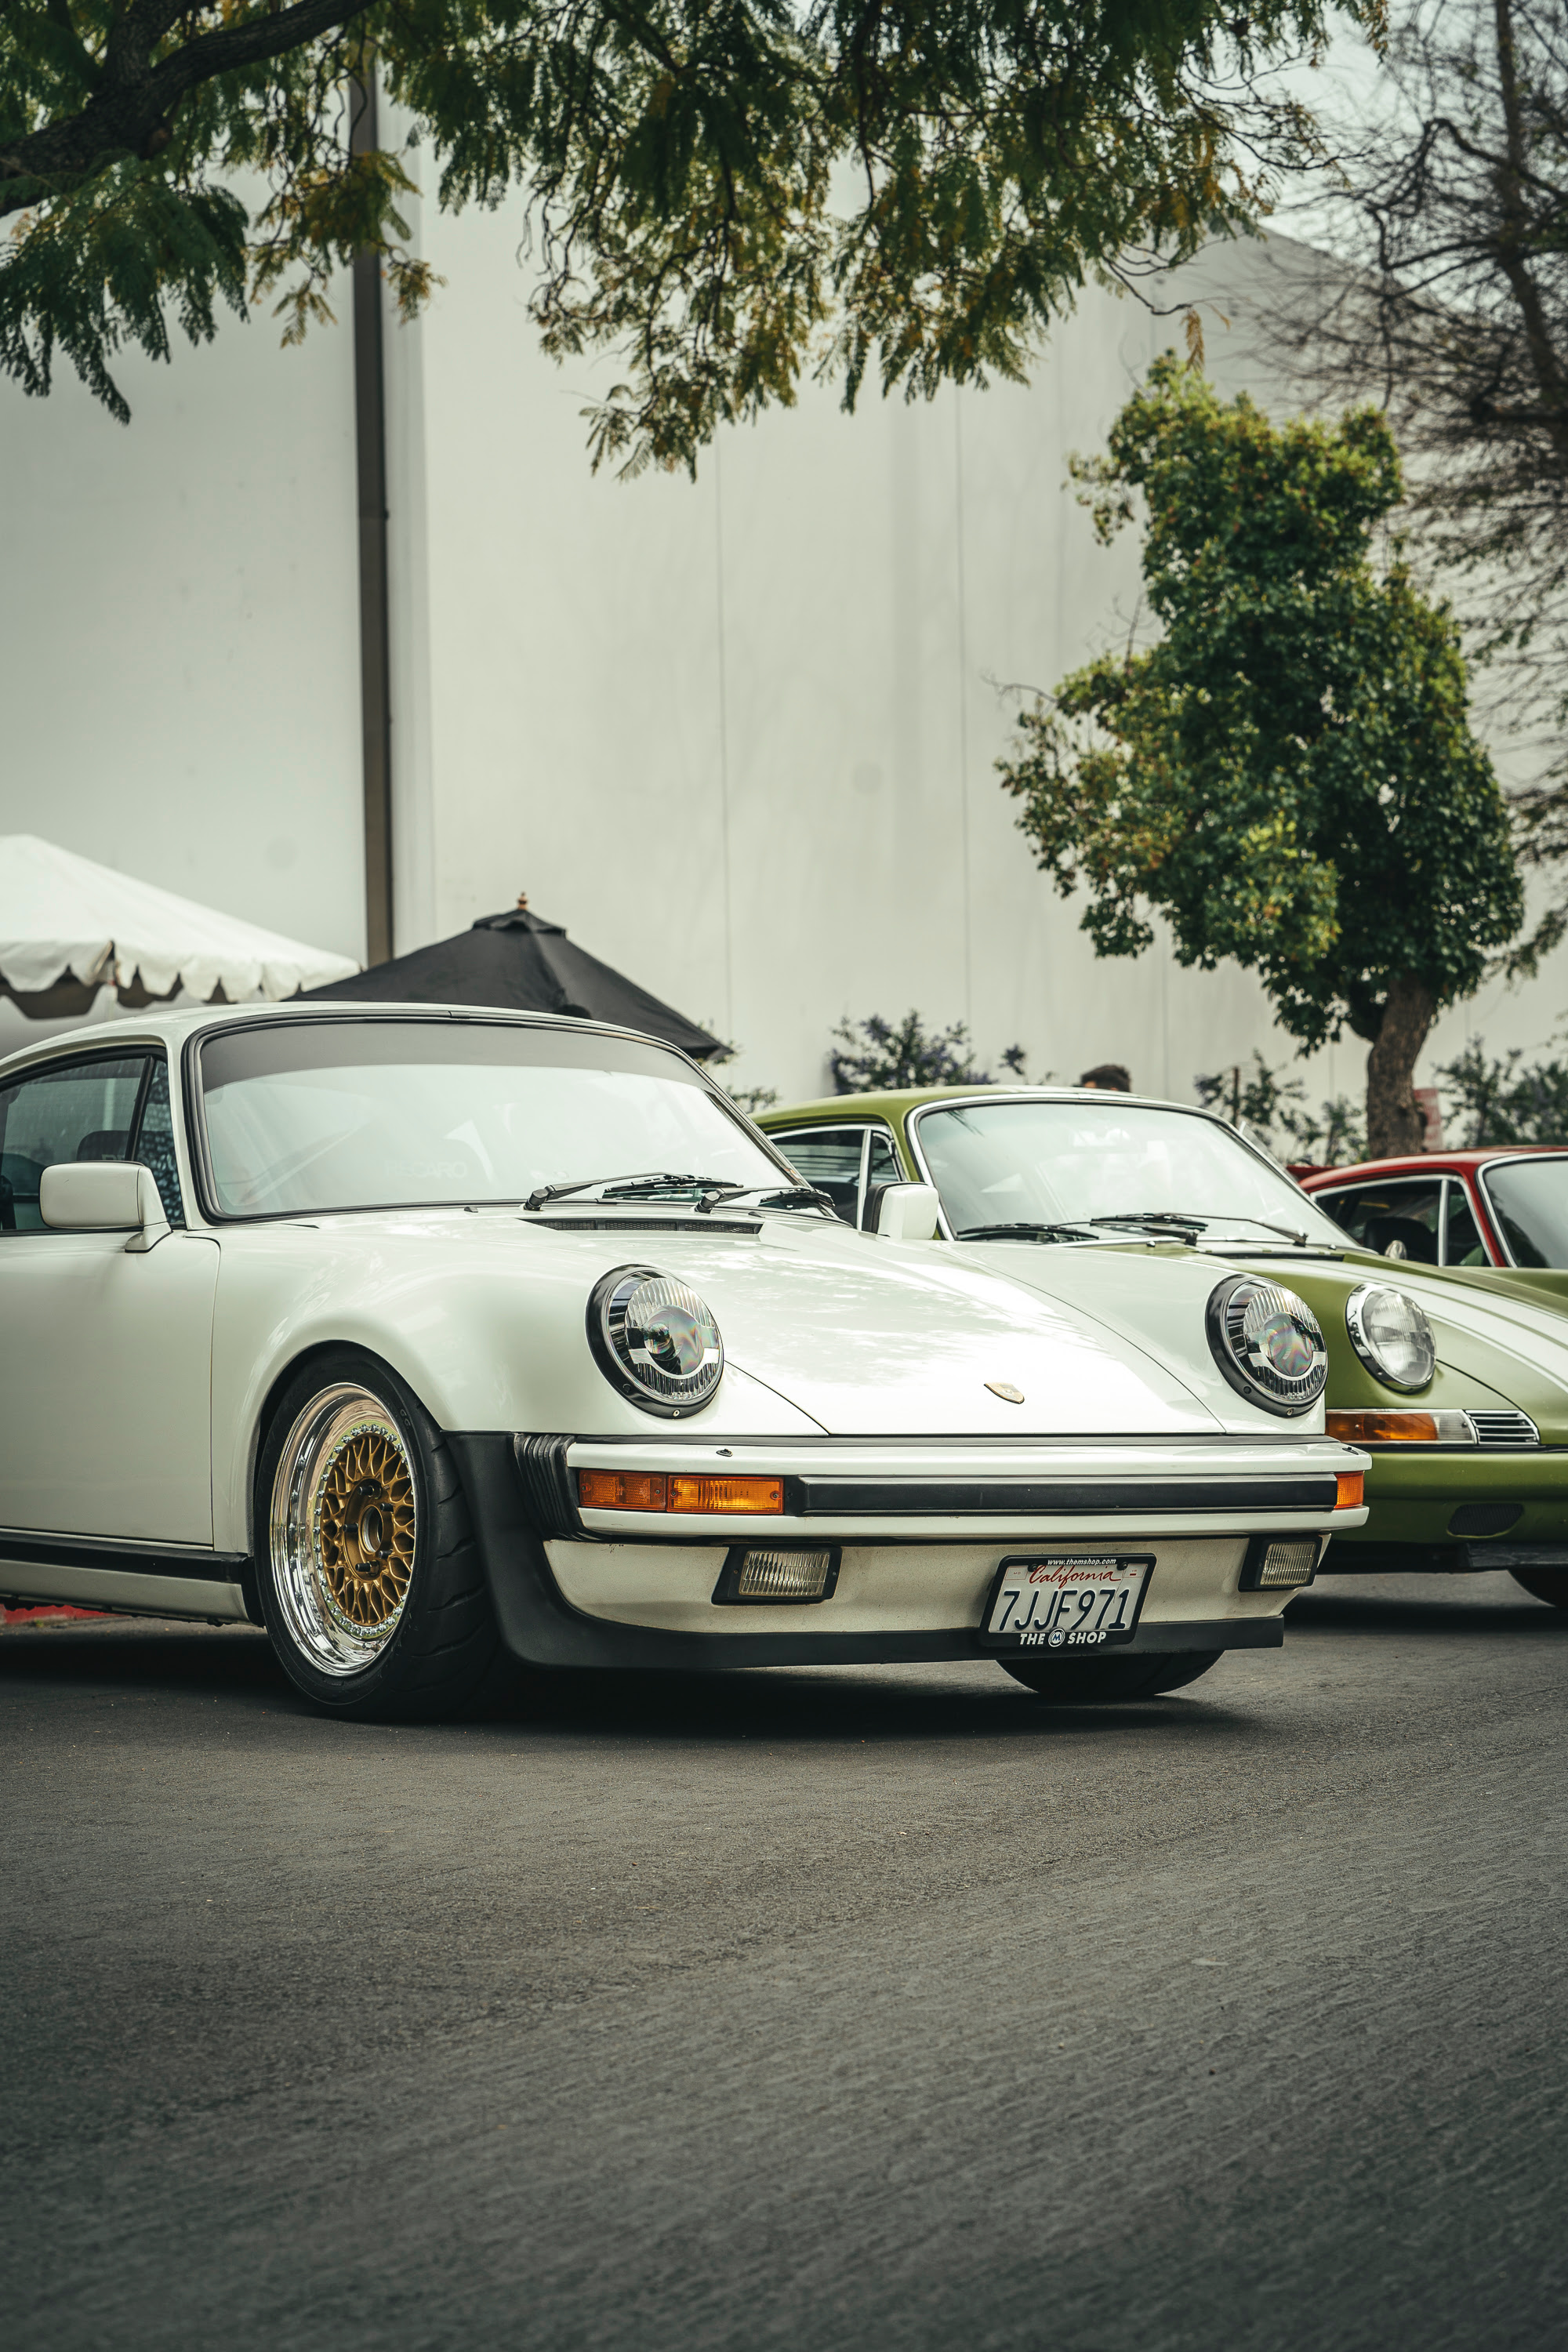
pixel 1065 1602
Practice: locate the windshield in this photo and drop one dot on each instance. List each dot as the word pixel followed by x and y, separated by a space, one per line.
pixel 1529 1201
pixel 997 1163
pixel 318 1114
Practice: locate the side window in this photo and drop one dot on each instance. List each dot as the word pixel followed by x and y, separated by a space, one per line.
pixel 1463 1244
pixel 829 1158
pixel 883 1165
pixel 155 1142
pixel 1396 1220
pixel 72 1111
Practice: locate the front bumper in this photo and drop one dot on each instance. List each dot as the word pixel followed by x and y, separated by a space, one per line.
pixel 922 1525
pixel 1414 1493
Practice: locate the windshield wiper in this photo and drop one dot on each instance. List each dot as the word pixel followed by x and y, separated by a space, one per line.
pixel 805 1196
pixel 1081 1228
pixel 1079 1231
pixel 655 1181
pixel 712 1190
pixel 1190 1217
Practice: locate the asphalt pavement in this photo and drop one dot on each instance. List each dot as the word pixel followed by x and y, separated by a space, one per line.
pixel 803 2009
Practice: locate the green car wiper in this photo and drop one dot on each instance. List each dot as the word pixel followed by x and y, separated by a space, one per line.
pixel 1190 1217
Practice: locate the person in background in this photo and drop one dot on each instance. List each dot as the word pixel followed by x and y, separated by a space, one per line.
pixel 1111 1076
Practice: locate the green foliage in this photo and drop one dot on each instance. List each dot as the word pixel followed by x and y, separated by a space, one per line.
pixel 1335 1137
pixel 730 192
pixel 1260 1098
pixel 1288 775
pixel 753 1100
pixel 1499 1102
pixel 875 1056
pixel 1274 1109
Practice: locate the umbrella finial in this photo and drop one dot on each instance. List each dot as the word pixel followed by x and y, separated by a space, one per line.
pixel 522 901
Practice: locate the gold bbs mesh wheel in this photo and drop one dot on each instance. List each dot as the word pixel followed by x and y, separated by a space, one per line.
pixel 344 1526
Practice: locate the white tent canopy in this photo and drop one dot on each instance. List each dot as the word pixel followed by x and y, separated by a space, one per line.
pixel 64 920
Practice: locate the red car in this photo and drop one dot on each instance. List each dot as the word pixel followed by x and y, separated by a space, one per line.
pixel 1503 1208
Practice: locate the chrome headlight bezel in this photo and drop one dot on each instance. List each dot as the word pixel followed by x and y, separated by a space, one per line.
pixel 1366 1347
pixel 620 1330
pixel 1244 1362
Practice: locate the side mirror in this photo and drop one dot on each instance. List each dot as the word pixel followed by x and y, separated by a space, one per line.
pixel 103 1196
pixel 908 1213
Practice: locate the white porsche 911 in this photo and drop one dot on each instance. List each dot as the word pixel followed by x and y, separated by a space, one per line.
pixel 428 1337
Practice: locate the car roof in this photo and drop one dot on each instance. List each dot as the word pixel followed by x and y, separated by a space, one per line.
pixel 895 1102
pixel 171 1028
pixel 1429 1163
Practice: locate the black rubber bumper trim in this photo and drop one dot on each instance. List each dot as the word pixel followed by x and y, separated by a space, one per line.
pixel 807 1497
pixel 1346 1559
pixel 548 1485
pixel 137 1559
pixel 540 1626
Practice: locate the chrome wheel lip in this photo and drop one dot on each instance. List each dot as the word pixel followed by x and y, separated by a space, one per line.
pixel 325 1637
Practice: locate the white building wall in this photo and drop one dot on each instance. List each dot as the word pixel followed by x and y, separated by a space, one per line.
pixel 738 735
pixel 179 619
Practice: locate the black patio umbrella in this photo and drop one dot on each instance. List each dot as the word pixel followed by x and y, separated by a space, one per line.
pixel 524 964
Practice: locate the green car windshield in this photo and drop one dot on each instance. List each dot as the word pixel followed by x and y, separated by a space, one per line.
pixel 1052 1163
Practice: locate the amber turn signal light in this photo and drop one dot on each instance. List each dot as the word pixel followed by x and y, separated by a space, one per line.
pixel 1349 1483
pixel 1384 1428
pixel 622 1490
pixel 722 1495
pixel 654 1490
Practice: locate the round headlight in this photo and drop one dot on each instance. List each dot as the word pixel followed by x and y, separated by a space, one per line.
pixel 655 1339
pixel 1391 1334
pixel 1268 1344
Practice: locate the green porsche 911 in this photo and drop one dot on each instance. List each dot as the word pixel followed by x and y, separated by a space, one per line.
pixel 1456 1384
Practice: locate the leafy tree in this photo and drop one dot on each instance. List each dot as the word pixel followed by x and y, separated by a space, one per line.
pixel 1274 1109
pixel 729 192
pixel 1450 212
pixel 1499 1102
pixel 753 1100
pixel 875 1055
pixel 1288 774
pixel 1261 1097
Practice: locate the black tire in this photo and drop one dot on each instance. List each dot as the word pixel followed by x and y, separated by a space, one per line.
pixel 1101 1682
pixel 1549 1584
pixel 427 1648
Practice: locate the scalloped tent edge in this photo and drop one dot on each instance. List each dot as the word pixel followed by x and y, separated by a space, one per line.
pixel 70 927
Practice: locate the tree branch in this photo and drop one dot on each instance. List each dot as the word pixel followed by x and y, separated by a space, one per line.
pixel 132 97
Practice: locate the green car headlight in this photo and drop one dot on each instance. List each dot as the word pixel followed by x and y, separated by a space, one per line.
pixel 1267 1343
pixel 1391 1334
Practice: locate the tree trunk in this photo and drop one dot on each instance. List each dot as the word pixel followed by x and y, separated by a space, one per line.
pixel 1394 1119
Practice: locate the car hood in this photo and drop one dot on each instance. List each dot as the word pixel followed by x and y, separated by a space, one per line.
pixel 1501 1339
pixel 862 1337
pixel 870 1336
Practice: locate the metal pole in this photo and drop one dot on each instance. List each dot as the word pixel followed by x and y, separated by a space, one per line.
pixel 374 647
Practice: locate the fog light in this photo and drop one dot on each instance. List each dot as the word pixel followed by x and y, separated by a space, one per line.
pixel 754 1576
pixel 1290 1563
pixel 781 1576
pixel 1276 1561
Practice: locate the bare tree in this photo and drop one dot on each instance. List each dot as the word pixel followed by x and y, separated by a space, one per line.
pixel 1450 220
